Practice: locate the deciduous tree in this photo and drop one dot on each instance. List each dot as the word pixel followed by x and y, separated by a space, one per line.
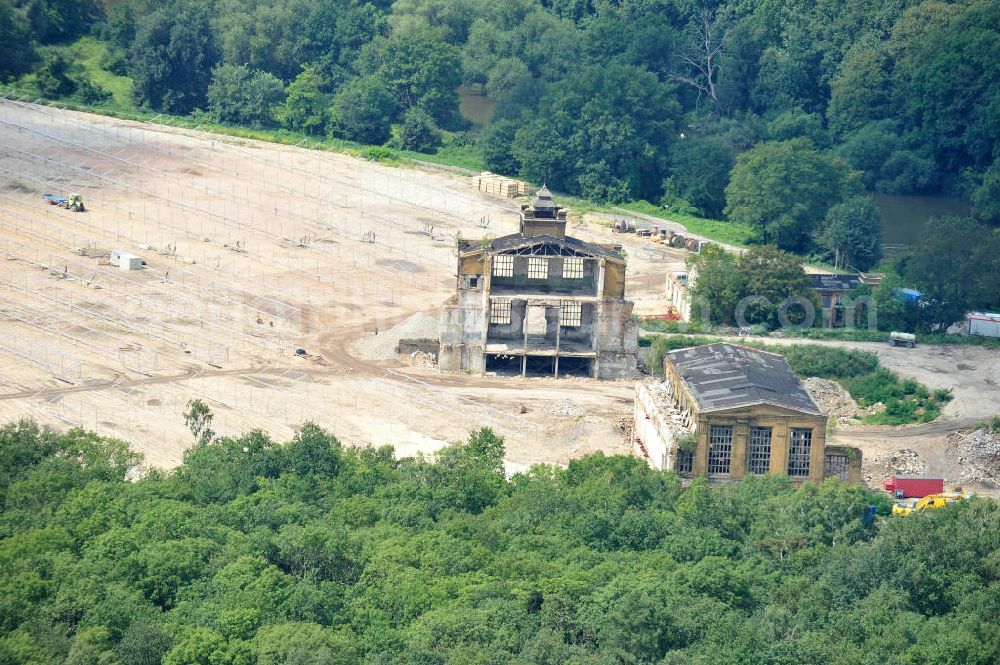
pixel 852 231
pixel 172 57
pixel 785 188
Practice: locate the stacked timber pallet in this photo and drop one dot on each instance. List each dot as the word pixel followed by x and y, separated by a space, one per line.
pixel 491 183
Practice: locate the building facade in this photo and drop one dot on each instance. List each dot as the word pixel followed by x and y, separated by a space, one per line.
pixel 832 291
pixel 726 411
pixel 539 302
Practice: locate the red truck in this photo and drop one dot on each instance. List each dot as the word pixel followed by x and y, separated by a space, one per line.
pixel 905 487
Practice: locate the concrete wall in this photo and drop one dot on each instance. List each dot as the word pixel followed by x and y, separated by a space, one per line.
pixel 606 325
pixel 615 329
pixel 614 280
pixel 834 456
pixel 513 331
pixel 679 296
pixel 652 434
pixel 408 346
pixel 463 332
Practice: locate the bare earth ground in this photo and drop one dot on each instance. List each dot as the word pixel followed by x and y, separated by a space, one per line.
pixel 228 295
pixel 255 250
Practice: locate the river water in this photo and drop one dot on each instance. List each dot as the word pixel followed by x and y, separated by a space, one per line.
pixel 903 217
pixel 476 106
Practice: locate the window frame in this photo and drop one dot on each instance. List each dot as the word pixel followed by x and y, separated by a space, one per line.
pixel 759 450
pixel 574 318
pixel 501 315
pixel 538 265
pixel 503 265
pixel 685 462
pixel 577 267
pixel 720 450
pixel 799 452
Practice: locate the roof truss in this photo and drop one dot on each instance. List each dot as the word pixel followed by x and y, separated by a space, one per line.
pixel 545 249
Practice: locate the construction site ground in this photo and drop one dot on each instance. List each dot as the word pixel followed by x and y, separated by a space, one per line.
pixel 257 251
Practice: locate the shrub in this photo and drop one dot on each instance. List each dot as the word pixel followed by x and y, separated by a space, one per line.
pixel 418 132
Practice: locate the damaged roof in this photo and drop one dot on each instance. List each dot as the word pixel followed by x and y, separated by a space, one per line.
pixel 828 282
pixel 568 246
pixel 726 376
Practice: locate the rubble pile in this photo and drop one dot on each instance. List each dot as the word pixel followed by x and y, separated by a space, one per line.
pixel 564 407
pixel 384 344
pixel 979 454
pixel 832 399
pixel 876 408
pixel 903 462
pixel 421 359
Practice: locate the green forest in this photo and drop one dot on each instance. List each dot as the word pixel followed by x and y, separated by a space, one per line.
pixel 776 115
pixel 313 553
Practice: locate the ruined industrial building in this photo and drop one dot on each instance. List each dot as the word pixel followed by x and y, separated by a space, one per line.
pixel 726 411
pixel 539 302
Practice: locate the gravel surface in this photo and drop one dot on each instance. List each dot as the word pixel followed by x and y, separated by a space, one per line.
pixel 385 344
pixel 904 462
pixel 832 399
pixel 979 454
pixel 563 407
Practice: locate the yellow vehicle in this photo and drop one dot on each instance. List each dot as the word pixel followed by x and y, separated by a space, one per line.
pixel 929 502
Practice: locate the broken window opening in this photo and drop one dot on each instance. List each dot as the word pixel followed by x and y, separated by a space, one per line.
pixel 799 451
pixel 570 314
pixel 538 268
pixel 503 266
pixel 500 311
pixel 720 449
pixel 573 268
pixel 760 450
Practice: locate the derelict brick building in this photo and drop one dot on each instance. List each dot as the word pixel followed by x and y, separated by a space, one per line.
pixel 727 411
pixel 539 302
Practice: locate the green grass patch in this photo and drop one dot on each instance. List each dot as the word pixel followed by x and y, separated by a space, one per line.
pixel 819 334
pixel 463 154
pixel 906 401
pixel 90 52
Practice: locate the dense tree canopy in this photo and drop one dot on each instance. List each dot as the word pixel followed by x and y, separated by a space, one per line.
pixel 786 188
pixel 326 554
pixel 953 287
pixel 241 95
pixel 172 57
pixel 852 233
pixel 16 51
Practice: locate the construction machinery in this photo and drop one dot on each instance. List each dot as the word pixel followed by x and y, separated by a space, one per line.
pixel 72 202
pixel 929 502
pixel 909 340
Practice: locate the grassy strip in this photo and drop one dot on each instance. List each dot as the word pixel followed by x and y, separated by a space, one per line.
pixel 819 334
pixel 463 157
pixel 906 401
pixel 732 233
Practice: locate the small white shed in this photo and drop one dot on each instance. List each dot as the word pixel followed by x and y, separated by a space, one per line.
pixel 126 260
pixel 984 323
